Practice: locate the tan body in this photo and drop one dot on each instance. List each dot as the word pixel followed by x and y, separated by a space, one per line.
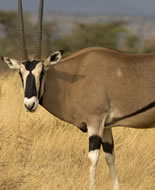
pixel 95 81
pixel 99 88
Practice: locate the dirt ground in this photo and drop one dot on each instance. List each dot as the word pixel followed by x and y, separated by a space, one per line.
pixel 40 152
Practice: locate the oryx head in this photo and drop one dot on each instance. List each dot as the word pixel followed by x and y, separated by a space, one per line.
pixel 32 71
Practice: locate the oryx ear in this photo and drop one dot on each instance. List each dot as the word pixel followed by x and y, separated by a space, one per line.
pixel 12 63
pixel 54 58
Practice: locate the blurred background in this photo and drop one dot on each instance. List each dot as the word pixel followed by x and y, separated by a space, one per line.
pixel 72 25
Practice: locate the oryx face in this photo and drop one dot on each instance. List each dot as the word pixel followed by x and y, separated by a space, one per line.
pixel 32 74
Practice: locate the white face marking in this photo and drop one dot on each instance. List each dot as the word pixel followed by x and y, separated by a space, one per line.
pixel 31 103
pixel 36 72
pixel 25 73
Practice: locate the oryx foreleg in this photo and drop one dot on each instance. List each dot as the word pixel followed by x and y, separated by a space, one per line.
pixel 108 148
pixel 95 133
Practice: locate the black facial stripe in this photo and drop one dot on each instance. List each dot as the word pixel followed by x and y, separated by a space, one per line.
pixel 107 147
pixel 30 89
pixel 20 74
pixel 94 142
pixel 30 65
pixel 40 80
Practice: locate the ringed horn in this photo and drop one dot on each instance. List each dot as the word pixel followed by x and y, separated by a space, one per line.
pixel 39 32
pixel 22 44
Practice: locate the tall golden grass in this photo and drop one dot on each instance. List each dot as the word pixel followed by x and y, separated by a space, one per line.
pixel 40 152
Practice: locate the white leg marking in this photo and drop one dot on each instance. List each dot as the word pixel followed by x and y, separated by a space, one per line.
pixel 110 159
pixel 93 157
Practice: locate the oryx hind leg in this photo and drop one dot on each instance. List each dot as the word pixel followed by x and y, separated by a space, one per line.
pixel 108 148
pixel 95 132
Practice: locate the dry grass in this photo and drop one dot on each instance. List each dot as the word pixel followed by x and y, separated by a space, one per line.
pixel 39 152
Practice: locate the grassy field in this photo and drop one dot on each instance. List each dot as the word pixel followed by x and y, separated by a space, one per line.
pixel 40 152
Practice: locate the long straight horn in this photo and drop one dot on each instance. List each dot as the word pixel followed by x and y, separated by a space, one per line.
pixel 39 32
pixel 22 44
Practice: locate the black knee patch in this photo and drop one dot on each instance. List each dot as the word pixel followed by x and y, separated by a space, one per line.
pixel 107 147
pixel 94 142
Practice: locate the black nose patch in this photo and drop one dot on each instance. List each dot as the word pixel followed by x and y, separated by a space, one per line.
pixel 30 89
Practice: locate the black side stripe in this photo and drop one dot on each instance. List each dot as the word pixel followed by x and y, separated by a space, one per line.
pixel 40 85
pixel 149 106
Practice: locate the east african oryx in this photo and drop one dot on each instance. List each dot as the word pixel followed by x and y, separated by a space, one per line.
pixel 95 89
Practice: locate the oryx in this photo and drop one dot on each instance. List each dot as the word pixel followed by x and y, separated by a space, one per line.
pixel 94 89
